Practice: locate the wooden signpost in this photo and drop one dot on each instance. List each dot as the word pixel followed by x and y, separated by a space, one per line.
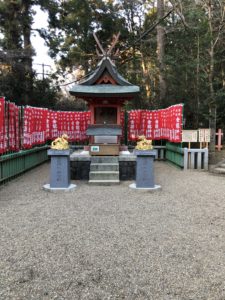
pixel 193 136
pixel 219 135
pixel 189 136
pixel 204 137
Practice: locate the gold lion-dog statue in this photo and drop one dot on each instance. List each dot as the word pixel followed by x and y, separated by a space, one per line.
pixel 144 144
pixel 61 143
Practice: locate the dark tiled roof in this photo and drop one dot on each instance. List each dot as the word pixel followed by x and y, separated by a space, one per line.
pixel 106 90
pixel 88 86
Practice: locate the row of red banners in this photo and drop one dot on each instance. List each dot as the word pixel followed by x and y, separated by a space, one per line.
pixel 9 127
pixel 156 125
pixel 23 128
pixel 41 125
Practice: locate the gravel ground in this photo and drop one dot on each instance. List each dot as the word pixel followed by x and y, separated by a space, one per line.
pixel 114 242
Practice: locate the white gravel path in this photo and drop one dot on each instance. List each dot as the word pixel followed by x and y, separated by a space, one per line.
pixel 113 242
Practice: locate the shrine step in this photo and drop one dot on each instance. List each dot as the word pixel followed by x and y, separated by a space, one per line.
pixel 104 159
pixel 104 167
pixel 219 170
pixel 103 175
pixel 104 182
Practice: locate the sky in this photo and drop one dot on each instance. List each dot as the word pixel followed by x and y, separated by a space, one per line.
pixel 42 57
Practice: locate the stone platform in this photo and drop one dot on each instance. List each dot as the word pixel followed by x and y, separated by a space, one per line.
pixel 80 165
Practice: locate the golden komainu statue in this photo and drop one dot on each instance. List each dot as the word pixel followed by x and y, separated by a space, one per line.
pixel 61 143
pixel 144 144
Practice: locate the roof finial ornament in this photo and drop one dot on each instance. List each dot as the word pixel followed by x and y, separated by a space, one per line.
pixel 107 53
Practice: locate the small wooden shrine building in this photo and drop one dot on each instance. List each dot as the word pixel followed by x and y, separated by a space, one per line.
pixel 105 91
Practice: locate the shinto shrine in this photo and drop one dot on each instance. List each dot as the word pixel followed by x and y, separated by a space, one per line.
pixel 105 91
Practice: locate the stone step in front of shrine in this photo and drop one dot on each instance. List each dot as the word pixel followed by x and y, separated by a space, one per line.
pixel 219 168
pixel 104 159
pixel 104 167
pixel 104 170
pixel 105 175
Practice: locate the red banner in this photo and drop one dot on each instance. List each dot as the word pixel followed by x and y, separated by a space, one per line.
pixel 12 127
pixel 122 116
pixel 2 127
pixel 27 127
pixel 40 125
pixel 156 125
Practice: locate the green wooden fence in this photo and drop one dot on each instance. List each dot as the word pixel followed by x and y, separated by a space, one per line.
pixel 187 158
pixel 175 154
pixel 14 164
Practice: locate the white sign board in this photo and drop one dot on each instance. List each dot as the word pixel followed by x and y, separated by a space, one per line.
pixel 207 135
pixel 94 148
pixel 189 136
pixel 204 135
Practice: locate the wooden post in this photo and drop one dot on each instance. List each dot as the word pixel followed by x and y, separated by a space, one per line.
pixel 206 159
pixel 219 140
pixel 185 158
pixel 189 155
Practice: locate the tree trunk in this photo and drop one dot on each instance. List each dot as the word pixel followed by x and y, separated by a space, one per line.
pixel 28 50
pixel 161 51
pixel 146 77
pixel 212 101
pixel 197 83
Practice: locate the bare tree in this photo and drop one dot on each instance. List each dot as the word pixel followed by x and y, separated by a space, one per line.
pixel 215 13
pixel 161 50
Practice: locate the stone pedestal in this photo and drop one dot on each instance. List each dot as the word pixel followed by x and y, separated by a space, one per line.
pixel 59 170
pixel 145 170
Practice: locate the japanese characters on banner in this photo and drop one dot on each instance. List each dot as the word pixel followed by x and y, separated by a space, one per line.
pixel 156 125
pixel 134 124
pixel 2 118
pixel 17 111
pixel 38 125
pixel 122 120
pixel 12 127
pixel 52 123
pixel 41 125
pixel 27 127
pixel 74 124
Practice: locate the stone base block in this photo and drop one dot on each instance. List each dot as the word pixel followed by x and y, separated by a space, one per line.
pixel 70 188
pixel 155 188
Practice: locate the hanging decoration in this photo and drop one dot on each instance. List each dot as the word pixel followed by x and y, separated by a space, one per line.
pixel 156 125
pixel 26 127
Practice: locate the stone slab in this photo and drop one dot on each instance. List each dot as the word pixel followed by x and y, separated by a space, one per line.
pixel 104 182
pixel 145 172
pixel 154 188
pixel 60 168
pixel 53 152
pixel 127 157
pixel 80 157
pixel 145 152
pixel 70 188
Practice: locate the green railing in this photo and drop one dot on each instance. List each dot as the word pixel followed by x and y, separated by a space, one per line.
pixel 187 158
pixel 175 154
pixel 14 164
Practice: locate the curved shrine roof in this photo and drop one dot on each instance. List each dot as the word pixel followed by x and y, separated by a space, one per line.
pixel 91 88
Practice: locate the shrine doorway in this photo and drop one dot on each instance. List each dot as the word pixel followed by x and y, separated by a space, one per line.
pixel 105 115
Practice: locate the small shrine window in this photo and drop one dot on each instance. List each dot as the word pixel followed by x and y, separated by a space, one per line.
pixel 105 115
